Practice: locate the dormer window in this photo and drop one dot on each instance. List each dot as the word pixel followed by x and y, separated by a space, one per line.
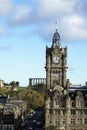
pixel 79 103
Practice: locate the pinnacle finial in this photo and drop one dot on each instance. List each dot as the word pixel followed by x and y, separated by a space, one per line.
pixel 56 25
pixel 56 30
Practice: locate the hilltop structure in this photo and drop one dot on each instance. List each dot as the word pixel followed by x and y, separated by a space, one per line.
pixel 12 85
pixel 37 81
pixel 65 105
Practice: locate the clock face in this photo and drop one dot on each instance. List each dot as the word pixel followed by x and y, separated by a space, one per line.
pixel 56 59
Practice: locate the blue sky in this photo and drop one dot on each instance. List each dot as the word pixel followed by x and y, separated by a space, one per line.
pixel 27 26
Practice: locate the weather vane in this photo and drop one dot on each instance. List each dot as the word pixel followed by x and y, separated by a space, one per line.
pixel 56 25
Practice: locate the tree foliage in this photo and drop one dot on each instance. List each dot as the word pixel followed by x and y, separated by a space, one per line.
pixel 33 98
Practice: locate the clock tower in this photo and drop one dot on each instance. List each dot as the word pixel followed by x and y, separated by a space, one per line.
pixel 62 99
pixel 56 63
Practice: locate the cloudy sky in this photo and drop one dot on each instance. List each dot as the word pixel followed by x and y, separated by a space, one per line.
pixel 27 26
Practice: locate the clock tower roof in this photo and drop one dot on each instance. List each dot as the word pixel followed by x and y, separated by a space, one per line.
pixel 56 39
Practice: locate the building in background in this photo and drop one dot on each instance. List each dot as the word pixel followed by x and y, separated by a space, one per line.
pixel 37 81
pixel 12 112
pixel 12 85
pixel 65 105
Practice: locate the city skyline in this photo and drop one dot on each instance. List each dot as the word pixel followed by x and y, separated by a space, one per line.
pixel 26 27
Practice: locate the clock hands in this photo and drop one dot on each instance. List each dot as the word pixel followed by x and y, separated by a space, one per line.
pixel 56 59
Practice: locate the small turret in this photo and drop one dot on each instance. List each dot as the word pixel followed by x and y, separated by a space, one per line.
pixel 56 39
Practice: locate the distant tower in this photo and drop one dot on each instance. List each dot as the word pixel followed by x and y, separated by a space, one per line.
pixel 56 63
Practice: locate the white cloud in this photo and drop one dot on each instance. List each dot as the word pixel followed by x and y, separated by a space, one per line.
pixel 51 8
pixel 74 27
pixel 71 24
pixel 5 7
pixel 21 15
pixel 45 10
pixel 70 28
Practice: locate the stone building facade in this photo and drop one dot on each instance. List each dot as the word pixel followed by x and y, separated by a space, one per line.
pixel 65 105
pixel 12 112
